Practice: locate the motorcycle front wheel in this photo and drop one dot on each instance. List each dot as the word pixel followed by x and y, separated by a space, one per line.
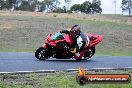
pixel 41 54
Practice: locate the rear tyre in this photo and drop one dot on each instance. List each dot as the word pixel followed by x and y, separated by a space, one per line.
pixel 90 53
pixel 41 54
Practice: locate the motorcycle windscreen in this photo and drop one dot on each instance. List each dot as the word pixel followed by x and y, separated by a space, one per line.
pixel 57 36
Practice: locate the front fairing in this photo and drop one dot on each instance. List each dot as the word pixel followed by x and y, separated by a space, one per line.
pixel 52 39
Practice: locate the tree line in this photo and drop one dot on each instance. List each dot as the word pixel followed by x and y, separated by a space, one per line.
pixel 50 6
pixel 87 7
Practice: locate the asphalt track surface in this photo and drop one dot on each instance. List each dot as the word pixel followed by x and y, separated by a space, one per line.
pixel 23 61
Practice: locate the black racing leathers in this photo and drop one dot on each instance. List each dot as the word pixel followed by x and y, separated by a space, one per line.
pixel 75 45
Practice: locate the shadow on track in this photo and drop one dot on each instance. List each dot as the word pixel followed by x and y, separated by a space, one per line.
pixel 66 60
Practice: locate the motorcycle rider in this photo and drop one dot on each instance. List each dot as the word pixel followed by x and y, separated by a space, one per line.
pixel 79 39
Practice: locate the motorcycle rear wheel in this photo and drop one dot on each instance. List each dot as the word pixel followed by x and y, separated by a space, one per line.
pixel 41 54
pixel 90 53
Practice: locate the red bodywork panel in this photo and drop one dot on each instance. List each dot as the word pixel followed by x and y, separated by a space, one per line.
pixel 68 39
pixel 96 40
pixel 44 45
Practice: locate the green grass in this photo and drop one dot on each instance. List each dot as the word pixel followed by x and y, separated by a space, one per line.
pixel 30 32
pixel 57 80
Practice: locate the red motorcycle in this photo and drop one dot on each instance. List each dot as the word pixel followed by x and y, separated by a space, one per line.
pixel 57 46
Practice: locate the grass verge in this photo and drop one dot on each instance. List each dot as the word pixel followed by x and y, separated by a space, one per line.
pixel 58 80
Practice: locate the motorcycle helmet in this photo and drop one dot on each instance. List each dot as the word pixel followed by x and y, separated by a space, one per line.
pixel 75 31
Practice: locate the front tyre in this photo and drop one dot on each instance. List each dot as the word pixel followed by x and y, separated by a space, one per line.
pixel 41 54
